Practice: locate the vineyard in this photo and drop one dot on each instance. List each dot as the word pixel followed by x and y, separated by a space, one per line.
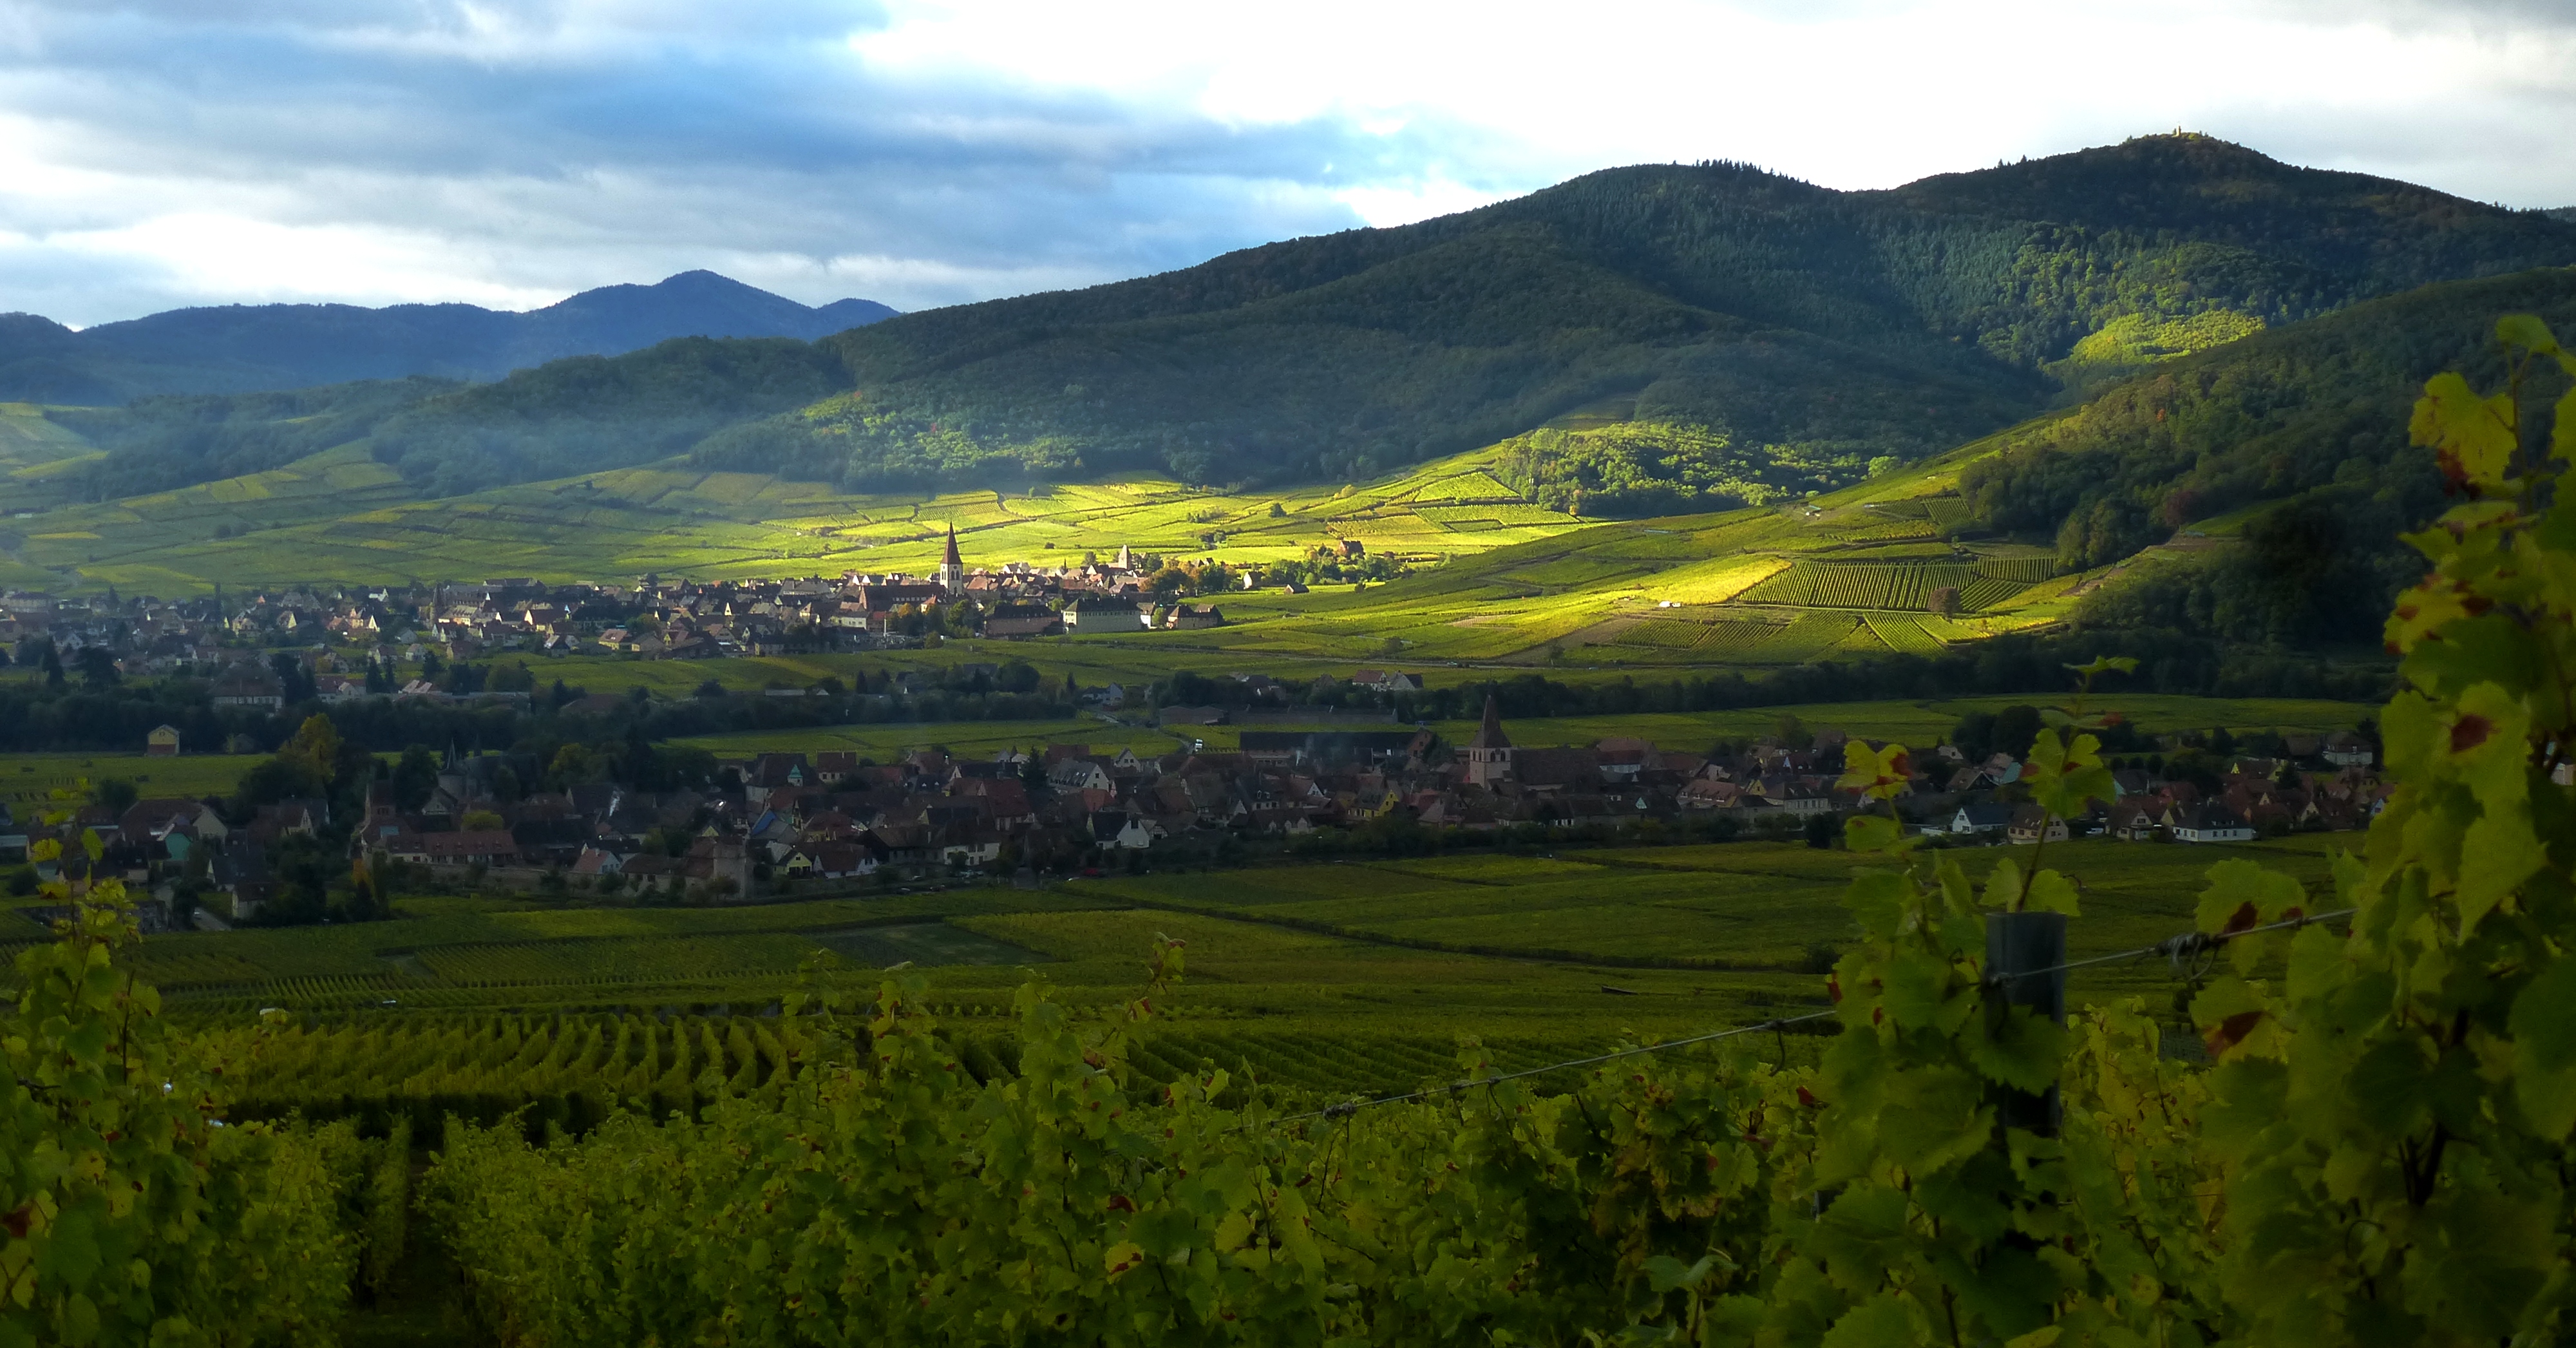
pixel 571 1071
pixel 1904 586
pixel 2072 1093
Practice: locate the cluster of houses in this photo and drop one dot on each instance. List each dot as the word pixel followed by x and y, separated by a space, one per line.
pixel 836 816
pixel 655 617
pixel 156 843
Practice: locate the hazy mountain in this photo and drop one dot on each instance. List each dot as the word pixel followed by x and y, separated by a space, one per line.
pixel 246 348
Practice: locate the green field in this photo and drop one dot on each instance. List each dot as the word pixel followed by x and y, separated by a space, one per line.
pixel 28 778
pixel 1851 574
pixel 341 516
pixel 1332 977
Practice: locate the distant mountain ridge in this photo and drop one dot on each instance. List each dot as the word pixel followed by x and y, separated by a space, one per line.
pixel 1759 319
pixel 1776 312
pixel 242 348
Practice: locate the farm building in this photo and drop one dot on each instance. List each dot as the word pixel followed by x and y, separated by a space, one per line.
pixel 2210 822
pixel 249 686
pixel 163 742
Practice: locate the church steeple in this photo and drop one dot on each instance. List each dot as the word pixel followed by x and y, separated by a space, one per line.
pixel 952 568
pixel 1489 753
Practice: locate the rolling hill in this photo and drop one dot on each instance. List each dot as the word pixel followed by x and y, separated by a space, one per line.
pixel 1771 311
pixel 2249 493
pixel 258 348
pixel 1733 319
pixel 2239 473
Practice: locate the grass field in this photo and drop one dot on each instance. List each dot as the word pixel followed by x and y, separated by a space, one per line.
pixel 341 516
pixel 28 778
pixel 1332 978
pixel 1851 574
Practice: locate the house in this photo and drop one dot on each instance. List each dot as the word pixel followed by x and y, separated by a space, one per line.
pixel 249 686
pixel 477 847
pixel 1106 615
pixel 163 742
pixel 2345 749
pixel 2210 822
pixel 1079 774
pixel 1797 799
pixel 1708 793
pixel 1975 820
pixel 1184 618
pixel 2032 824
pixel 1387 680
pixel 1018 629
pixel 2134 821
pixel 1112 829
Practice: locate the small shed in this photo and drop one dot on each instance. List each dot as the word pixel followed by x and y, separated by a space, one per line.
pixel 163 742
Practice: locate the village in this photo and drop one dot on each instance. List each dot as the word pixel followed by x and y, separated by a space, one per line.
pixel 654 618
pixel 778 824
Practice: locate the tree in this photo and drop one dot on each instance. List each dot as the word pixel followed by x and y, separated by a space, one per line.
pixel 53 664
pixel 98 666
pixel 295 684
pixel 415 776
pixel 2015 729
pixel 115 794
pixel 315 746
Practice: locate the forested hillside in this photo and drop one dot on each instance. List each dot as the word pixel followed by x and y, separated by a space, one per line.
pixel 2311 419
pixel 1784 335
pixel 1717 295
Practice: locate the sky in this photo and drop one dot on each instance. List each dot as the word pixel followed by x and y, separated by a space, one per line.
pixel 159 153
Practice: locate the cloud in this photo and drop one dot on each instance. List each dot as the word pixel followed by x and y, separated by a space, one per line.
pixel 921 152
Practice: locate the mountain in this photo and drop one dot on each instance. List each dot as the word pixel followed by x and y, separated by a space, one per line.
pixel 258 348
pixel 1718 296
pixel 1751 334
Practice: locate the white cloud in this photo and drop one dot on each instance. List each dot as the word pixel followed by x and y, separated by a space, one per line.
pixel 160 152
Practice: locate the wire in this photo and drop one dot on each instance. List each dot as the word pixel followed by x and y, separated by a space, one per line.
pixel 2175 948
pixel 1353 1106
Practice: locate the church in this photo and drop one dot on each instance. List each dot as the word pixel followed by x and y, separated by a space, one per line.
pixel 952 568
pixel 1489 760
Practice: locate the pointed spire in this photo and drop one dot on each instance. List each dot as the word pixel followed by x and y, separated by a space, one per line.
pixel 952 559
pixel 1490 735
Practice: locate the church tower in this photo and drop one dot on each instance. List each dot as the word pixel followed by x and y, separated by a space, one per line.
pixel 1489 753
pixel 1126 559
pixel 952 568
